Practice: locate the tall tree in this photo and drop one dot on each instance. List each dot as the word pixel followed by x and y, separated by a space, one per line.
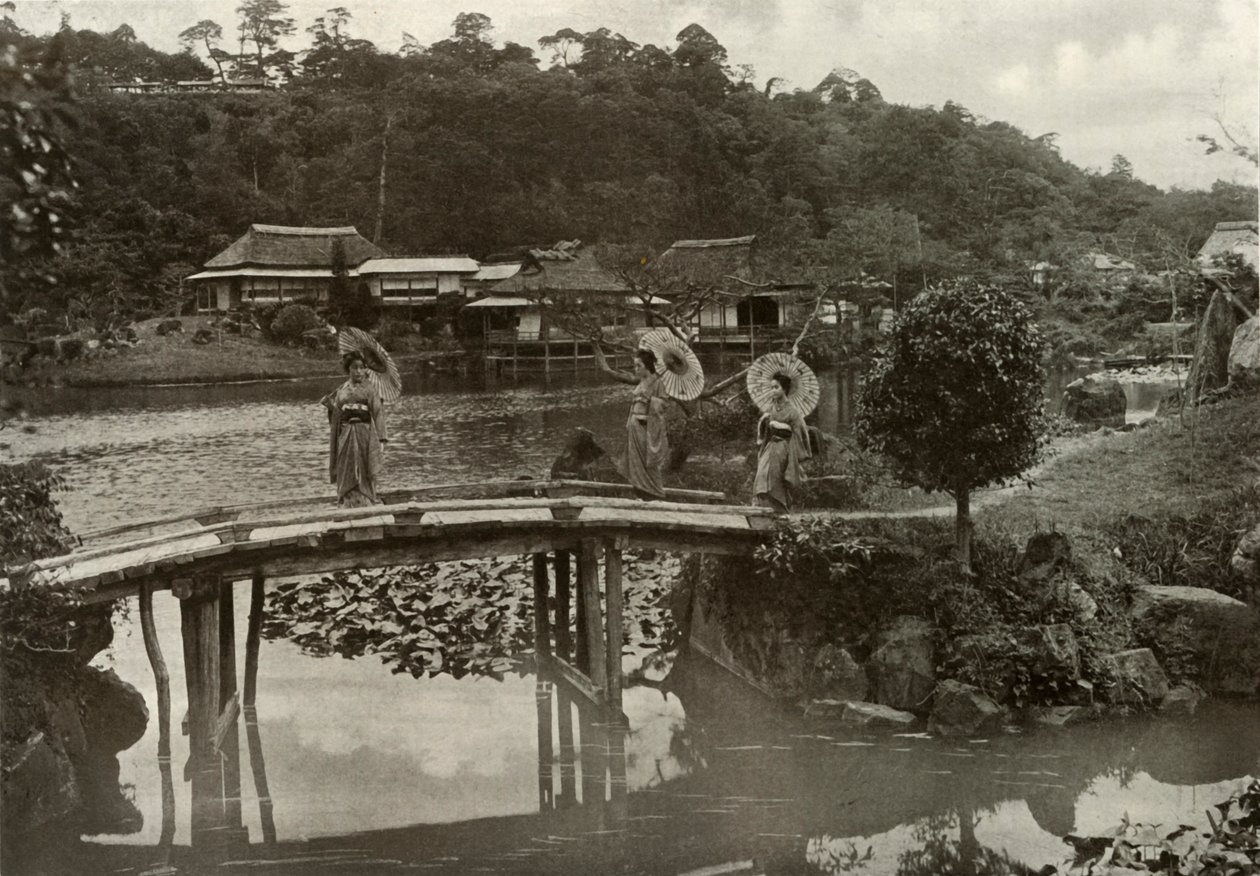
pixel 209 34
pixel 263 23
pixel 954 398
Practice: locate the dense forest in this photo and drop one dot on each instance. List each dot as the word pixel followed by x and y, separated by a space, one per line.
pixel 466 146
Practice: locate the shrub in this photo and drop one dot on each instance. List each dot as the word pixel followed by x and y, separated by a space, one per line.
pixel 964 361
pixel 30 522
pixel 71 348
pixel 292 322
pixel 390 330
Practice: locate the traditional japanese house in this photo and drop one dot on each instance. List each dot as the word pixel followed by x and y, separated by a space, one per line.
pixel 412 287
pixel 275 263
pixel 748 306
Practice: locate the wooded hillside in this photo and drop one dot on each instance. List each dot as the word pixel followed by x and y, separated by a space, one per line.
pixel 473 148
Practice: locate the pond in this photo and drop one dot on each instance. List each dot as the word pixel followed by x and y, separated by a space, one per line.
pixel 148 451
pixel 370 771
pixel 376 772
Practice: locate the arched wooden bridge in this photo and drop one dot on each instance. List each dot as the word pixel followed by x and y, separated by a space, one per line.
pixel 201 554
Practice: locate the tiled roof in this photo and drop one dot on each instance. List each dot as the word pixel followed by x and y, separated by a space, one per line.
pixel 425 265
pixel 282 245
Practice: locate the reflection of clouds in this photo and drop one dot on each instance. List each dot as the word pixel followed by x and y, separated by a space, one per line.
pixel 321 792
pixel 655 720
pixel 1147 800
pixel 348 745
pixel 1009 829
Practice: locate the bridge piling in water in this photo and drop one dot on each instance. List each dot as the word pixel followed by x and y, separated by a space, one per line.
pixel 588 583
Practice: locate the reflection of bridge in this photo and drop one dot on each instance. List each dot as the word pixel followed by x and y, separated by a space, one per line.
pixel 578 630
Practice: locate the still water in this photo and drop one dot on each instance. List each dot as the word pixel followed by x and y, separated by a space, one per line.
pixel 148 451
pixel 373 772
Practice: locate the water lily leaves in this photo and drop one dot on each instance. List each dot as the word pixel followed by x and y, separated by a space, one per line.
pixel 458 618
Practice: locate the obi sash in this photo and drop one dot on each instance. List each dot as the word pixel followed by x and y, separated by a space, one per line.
pixel 355 412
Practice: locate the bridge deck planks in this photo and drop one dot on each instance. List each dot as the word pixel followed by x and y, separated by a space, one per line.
pixel 328 539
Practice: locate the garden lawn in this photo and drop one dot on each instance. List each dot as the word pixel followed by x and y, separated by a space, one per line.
pixel 1173 467
pixel 175 358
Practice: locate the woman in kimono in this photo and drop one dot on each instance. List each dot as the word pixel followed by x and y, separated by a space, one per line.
pixel 647 447
pixel 782 445
pixel 356 420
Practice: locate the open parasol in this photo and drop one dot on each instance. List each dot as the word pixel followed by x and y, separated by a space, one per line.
pixel 676 364
pixel 382 371
pixel 803 395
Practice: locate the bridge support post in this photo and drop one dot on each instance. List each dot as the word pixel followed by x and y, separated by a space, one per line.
pixel 163 681
pixel 228 706
pixel 253 736
pixel 612 600
pixel 199 624
pixel 564 644
pixel 588 582
pixel 546 755
pixel 564 730
pixel 542 624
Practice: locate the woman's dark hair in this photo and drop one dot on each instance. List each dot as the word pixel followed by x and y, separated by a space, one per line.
pixel 784 381
pixel 350 358
pixel 648 358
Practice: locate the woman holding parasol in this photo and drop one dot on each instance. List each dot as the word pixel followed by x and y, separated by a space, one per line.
pixel 785 390
pixel 356 418
pixel 663 367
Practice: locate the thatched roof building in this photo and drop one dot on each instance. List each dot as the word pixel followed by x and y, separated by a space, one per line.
pixel 564 268
pixel 1242 238
pixel 290 246
pixel 270 263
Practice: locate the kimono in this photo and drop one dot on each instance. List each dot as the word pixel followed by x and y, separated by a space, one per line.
pixel 782 445
pixel 647 446
pixel 356 421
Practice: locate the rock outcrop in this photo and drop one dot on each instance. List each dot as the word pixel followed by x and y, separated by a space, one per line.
pixel 580 453
pixel 902 669
pixel 1140 680
pixel 962 710
pixel 837 676
pixel 1223 632
pixel 1244 354
pixel 1210 368
pixel 874 715
pixel 1095 400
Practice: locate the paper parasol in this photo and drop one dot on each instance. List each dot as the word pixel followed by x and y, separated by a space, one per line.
pixel 382 371
pixel 804 392
pixel 680 370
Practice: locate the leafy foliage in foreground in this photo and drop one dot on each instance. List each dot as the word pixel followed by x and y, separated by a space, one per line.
pixel 30 522
pixel 1232 848
pixel 468 617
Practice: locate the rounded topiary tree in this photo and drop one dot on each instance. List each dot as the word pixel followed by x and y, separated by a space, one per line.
pixel 954 397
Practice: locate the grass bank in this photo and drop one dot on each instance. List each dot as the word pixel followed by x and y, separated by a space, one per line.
pixel 174 358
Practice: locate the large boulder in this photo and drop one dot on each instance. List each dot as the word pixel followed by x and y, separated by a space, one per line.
pixel 1244 354
pixel 874 715
pixel 962 710
pixel 1045 556
pixel 1054 650
pixel 1210 368
pixel 1140 680
pixel 902 670
pixel 1245 563
pixel 38 786
pixel 1095 400
pixel 580 453
pixel 837 676
pixel 1223 632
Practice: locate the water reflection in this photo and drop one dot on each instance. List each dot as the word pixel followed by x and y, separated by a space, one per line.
pixel 351 766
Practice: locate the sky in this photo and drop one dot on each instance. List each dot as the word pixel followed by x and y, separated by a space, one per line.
pixel 1138 78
